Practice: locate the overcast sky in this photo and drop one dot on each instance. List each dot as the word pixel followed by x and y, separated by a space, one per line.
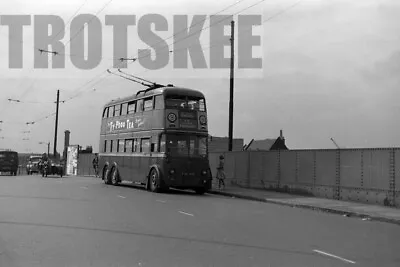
pixel 331 68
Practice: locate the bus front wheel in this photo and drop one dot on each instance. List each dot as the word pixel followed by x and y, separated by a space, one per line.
pixel 154 181
pixel 114 176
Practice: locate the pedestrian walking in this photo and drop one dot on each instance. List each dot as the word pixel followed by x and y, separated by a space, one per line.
pixel 221 173
pixel 95 163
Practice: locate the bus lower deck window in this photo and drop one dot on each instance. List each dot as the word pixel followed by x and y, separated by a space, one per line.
pixel 128 145
pixel 145 145
pixel 121 145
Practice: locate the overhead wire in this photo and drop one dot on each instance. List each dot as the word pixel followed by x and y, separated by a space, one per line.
pixel 50 60
pixel 278 13
pixel 98 76
pixel 286 9
pixel 101 74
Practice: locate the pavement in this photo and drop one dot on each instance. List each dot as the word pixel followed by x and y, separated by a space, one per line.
pixel 345 208
pixel 80 221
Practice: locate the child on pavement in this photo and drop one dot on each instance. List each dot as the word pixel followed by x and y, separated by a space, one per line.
pixel 221 173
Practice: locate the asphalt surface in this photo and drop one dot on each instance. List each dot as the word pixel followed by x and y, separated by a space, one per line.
pixel 79 221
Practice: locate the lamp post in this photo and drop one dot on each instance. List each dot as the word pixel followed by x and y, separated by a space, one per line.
pixel 48 147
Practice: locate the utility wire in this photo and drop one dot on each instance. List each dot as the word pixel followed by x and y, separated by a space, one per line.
pixel 263 22
pixel 34 81
pixel 101 74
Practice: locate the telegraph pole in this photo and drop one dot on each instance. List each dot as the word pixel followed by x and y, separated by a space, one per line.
pixel 56 126
pixel 231 87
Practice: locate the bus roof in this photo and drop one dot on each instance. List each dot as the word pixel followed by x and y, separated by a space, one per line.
pixel 165 90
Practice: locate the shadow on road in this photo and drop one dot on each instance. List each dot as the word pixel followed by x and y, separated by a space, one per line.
pixel 176 192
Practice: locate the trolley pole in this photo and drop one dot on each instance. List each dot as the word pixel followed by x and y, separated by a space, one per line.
pixel 56 126
pixel 231 87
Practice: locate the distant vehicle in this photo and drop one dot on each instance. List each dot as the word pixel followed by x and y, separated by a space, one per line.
pixel 54 168
pixel 157 138
pixel 33 165
pixel 9 162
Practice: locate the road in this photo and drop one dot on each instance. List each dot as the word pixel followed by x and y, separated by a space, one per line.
pixel 79 221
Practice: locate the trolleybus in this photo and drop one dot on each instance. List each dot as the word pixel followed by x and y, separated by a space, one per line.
pixel 157 138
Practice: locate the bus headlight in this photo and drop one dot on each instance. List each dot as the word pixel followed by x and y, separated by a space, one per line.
pixel 203 120
pixel 171 117
pixel 204 172
pixel 171 171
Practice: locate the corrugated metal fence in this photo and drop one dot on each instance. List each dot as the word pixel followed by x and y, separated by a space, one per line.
pixel 85 166
pixel 362 175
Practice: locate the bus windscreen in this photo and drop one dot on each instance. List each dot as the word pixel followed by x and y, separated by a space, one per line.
pixel 183 102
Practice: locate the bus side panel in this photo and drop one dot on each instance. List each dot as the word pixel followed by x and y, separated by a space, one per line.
pixel 124 171
pixel 143 168
pixel 134 168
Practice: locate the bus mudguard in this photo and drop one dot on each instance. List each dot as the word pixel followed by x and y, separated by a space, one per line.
pixel 158 168
pixel 160 175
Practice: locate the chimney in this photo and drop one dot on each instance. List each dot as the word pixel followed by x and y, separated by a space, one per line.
pixel 281 134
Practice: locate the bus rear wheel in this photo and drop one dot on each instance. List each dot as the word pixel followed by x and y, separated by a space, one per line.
pixel 106 175
pixel 154 181
pixel 114 176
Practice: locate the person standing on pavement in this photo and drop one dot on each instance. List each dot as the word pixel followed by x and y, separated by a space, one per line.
pixel 95 163
pixel 221 173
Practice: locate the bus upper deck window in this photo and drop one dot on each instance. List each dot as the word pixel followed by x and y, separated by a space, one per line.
pixel 111 112
pixel 193 105
pixel 105 113
pixel 148 104
pixel 202 105
pixel 124 109
pixel 117 110
pixel 159 102
pixel 131 107
pixel 139 105
pixel 176 102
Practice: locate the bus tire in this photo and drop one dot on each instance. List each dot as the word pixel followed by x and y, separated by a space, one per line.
pixel 106 175
pixel 114 176
pixel 154 181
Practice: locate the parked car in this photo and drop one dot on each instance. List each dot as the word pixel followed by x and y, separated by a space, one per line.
pixel 33 165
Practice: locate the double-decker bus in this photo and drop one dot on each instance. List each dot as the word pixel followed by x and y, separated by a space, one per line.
pixel 9 162
pixel 157 138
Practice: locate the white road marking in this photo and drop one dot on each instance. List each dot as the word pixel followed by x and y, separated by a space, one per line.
pixel 161 201
pixel 333 256
pixel 186 213
pixel 121 197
